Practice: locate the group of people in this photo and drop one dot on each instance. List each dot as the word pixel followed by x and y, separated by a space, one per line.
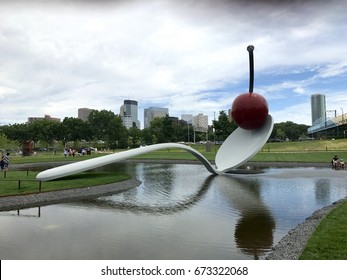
pixel 72 152
pixel 337 163
pixel 5 161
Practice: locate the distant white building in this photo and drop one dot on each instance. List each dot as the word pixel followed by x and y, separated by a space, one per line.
pixel 200 122
pixel 154 112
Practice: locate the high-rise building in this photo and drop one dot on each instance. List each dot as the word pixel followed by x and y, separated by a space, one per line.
pixel 129 114
pixel 154 112
pixel 83 113
pixel 318 108
pixel 200 122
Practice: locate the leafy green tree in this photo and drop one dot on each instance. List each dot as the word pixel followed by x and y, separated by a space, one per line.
pixel 162 130
pixel 134 137
pixel 108 127
pixel 74 129
pixel 223 126
pixel 289 130
pixel 44 130
pixel 7 144
pixel 18 132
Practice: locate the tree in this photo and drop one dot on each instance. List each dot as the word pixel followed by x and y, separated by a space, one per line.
pixel 74 129
pixel 44 130
pixel 162 130
pixel 134 137
pixel 288 130
pixel 108 127
pixel 223 126
pixel 18 132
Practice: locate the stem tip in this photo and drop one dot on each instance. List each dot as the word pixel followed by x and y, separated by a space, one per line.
pixel 250 48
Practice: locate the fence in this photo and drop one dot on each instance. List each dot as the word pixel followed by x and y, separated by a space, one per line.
pixel 21 181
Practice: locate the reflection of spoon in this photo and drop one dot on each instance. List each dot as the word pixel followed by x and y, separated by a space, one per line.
pixel 239 147
pixel 254 229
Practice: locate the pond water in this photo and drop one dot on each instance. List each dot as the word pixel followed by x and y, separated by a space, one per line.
pixel 178 212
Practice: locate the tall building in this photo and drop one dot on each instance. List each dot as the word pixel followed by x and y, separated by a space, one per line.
pixel 129 114
pixel 318 108
pixel 83 113
pixel 154 112
pixel 200 122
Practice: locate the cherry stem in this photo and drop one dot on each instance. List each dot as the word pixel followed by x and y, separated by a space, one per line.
pixel 250 49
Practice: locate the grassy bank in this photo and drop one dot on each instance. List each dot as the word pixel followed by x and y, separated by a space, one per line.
pixel 328 242
pixel 23 182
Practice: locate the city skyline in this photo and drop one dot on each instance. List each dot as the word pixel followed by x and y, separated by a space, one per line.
pixel 58 56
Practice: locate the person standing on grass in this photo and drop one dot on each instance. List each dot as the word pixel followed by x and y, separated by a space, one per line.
pixel 6 161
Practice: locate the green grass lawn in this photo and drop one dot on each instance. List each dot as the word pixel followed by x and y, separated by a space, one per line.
pixel 300 151
pixel 28 183
pixel 329 241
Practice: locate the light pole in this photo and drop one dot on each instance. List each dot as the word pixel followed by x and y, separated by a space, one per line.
pixel 342 114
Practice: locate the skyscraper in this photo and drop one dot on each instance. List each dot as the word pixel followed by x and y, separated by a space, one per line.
pixel 129 114
pixel 318 108
pixel 154 112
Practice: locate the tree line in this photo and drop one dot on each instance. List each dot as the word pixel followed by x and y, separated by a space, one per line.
pixel 107 128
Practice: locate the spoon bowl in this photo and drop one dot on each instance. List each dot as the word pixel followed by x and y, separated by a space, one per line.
pixel 241 145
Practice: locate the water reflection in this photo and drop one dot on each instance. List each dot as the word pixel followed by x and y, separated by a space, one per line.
pixel 24 213
pixel 322 191
pixel 254 229
pixel 126 202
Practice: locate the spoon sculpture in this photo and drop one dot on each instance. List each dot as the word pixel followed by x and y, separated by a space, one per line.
pixel 255 127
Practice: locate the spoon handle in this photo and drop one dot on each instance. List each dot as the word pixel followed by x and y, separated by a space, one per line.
pixel 250 49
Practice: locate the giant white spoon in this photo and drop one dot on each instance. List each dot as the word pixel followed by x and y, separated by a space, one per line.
pixel 238 148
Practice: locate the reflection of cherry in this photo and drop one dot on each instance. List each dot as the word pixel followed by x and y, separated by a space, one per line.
pixel 249 110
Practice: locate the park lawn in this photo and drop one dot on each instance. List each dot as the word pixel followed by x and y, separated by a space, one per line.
pixel 298 151
pixel 328 242
pixel 28 183
pixel 314 157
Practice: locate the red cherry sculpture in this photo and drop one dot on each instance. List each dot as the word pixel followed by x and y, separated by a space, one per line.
pixel 250 110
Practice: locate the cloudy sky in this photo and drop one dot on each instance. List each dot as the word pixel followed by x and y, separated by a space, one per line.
pixel 187 55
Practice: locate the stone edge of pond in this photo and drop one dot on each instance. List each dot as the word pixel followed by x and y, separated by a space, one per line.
pixel 291 245
pixel 61 196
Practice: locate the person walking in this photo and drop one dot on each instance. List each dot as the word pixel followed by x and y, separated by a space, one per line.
pixel 6 161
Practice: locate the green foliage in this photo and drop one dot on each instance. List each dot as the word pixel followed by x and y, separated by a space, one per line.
pixel 7 144
pixel 223 126
pixel 108 127
pixel 289 130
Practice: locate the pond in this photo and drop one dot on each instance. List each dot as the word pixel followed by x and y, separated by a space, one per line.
pixel 178 212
